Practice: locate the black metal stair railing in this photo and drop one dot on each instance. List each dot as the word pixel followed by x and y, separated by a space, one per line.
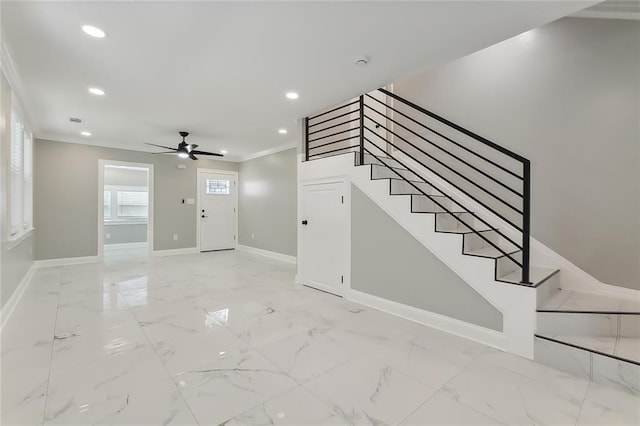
pixel 492 176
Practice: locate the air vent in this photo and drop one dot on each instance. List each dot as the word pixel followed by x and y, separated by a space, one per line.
pixel 75 120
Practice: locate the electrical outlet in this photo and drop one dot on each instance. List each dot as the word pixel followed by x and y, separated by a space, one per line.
pixel 175 237
pixel 108 236
pixel 252 236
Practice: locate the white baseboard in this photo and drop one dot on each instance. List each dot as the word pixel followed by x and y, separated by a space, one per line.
pixel 469 331
pixel 125 245
pixel 174 252
pixel 11 304
pixel 66 261
pixel 267 253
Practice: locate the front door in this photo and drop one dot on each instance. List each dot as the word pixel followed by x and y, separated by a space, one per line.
pixel 323 236
pixel 217 196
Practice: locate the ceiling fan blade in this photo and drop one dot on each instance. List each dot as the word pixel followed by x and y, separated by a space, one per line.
pixel 160 146
pixel 207 153
pixel 164 152
pixel 193 157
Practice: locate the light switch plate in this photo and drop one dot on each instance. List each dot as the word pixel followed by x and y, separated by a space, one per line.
pixel 191 201
pixel 182 166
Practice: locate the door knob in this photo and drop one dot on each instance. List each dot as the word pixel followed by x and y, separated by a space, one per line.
pixel 304 222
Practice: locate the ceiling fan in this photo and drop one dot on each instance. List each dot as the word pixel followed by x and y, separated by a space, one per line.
pixel 184 149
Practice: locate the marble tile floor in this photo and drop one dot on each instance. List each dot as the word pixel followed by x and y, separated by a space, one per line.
pixel 227 338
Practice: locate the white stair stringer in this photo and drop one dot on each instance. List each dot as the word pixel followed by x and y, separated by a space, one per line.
pixel 516 303
pixel 572 277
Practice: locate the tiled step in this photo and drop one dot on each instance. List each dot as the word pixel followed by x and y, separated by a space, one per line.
pixel 609 369
pixel 434 204
pixel 380 160
pixel 537 276
pixel 491 252
pixel 383 172
pixel 588 325
pixel 446 222
pixel 401 187
pixel 575 301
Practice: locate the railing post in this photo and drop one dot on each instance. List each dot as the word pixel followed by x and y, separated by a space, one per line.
pixel 526 219
pixel 361 130
pixel 306 139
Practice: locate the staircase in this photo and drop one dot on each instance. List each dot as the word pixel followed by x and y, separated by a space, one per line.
pixel 467 200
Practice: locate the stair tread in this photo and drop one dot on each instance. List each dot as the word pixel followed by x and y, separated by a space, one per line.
pixel 536 275
pixel 491 252
pixel 577 301
pixel 627 348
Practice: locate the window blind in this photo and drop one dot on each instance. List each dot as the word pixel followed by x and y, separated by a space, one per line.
pixel 16 177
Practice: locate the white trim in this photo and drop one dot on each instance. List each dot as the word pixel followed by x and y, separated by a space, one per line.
pixel 12 303
pixel 102 163
pixel 237 195
pixel 469 331
pixel 174 252
pixel 126 245
pixel 64 261
pixel 268 253
pixel 16 240
pixel 269 151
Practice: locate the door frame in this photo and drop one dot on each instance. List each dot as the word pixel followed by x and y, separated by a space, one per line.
pixel 346 243
pixel 150 188
pixel 198 182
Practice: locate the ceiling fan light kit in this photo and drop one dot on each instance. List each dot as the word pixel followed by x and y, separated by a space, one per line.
pixel 185 150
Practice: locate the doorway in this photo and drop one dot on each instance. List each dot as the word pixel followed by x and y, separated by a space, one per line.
pixel 217 213
pixel 324 236
pixel 125 218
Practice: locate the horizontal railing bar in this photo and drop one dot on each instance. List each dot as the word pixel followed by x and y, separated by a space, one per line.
pixel 449 139
pixel 335 125
pixel 458 128
pixel 503 252
pixel 450 183
pixel 332 134
pixel 444 165
pixel 332 110
pixel 331 143
pixel 333 150
pixel 488 176
pixel 333 118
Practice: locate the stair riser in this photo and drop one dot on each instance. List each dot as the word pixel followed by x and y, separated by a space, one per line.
pixel 588 365
pixel 422 204
pixel 559 323
pixel 381 172
pixel 505 266
pixel 447 223
pixel 370 159
pixel 402 187
pixel 476 242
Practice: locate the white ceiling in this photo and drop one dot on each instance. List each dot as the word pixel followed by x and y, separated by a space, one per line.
pixel 220 69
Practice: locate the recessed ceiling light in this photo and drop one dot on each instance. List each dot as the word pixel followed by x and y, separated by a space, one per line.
pixel 96 91
pixel 85 133
pixel 292 95
pixel 93 31
pixel 282 131
pixel 223 151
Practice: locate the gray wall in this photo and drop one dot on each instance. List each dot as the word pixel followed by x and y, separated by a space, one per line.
pixel 126 177
pixel 66 197
pixel 267 203
pixel 115 233
pixel 386 261
pixel 566 96
pixel 14 261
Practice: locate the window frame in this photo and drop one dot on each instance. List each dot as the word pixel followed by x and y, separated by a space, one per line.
pixel 20 182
